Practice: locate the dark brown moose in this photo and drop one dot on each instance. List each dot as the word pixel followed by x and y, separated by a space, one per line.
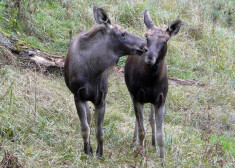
pixel 90 55
pixel 146 80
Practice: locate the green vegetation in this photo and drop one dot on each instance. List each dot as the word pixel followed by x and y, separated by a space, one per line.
pixel 38 120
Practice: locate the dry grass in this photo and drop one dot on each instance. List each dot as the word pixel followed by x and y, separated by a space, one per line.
pixel 40 126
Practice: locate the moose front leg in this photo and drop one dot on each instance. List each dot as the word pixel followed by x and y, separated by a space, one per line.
pixel 99 120
pixel 85 128
pixel 160 115
pixel 140 122
pixel 152 121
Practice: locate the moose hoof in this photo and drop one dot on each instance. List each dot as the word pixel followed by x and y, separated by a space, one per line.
pixel 140 151
pixel 133 144
pixel 88 149
pixel 154 143
pixel 99 152
pixel 99 155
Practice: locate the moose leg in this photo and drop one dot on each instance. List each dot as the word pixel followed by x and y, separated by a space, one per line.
pixel 99 119
pixel 140 120
pixel 89 121
pixel 135 134
pixel 160 115
pixel 152 121
pixel 88 114
pixel 85 128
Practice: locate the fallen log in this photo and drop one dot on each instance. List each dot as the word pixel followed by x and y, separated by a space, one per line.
pixel 30 56
pixel 185 82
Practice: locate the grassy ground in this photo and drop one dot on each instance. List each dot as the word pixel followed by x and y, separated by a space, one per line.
pixel 40 126
pixel 38 121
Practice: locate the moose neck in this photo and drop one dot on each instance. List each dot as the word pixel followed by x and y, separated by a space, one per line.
pixel 97 51
pixel 158 70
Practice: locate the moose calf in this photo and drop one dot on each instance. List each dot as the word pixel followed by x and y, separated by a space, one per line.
pixel 146 80
pixel 90 55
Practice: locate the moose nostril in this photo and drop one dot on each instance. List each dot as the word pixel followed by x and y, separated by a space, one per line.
pixel 142 46
pixel 145 49
pixel 150 58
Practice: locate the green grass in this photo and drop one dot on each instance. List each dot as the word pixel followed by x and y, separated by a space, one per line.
pixel 227 143
pixel 38 119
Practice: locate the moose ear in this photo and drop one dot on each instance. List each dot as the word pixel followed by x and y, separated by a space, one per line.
pixel 174 27
pixel 101 17
pixel 147 20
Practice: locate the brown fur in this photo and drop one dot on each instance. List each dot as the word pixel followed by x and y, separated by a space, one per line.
pixel 90 56
pixel 146 80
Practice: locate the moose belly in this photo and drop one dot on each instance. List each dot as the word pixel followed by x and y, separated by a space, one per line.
pixel 147 95
pixel 93 90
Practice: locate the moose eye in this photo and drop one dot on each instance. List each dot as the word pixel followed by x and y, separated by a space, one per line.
pixel 164 44
pixel 123 34
pixel 147 39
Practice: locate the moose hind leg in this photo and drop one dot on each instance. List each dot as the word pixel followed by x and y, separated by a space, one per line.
pixel 85 128
pixel 160 115
pixel 152 122
pixel 99 119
